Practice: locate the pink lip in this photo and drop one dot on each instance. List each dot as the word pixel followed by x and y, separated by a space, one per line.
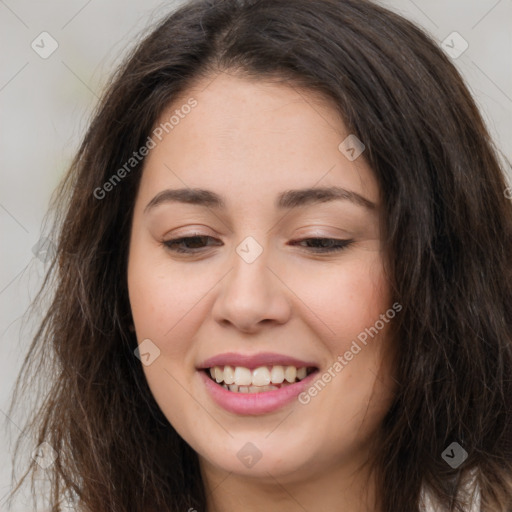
pixel 254 361
pixel 254 403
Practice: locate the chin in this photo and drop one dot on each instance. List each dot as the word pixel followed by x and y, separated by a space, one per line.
pixel 257 457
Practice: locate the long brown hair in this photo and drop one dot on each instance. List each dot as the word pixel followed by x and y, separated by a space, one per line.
pixel 447 238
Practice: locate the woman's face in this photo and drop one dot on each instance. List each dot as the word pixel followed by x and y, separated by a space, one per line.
pixel 256 294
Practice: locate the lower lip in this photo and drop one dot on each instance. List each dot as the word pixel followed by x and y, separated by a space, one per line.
pixel 255 403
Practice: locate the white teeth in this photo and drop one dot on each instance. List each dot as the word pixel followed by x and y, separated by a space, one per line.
pixel 243 376
pixel 290 373
pixel 229 375
pixel 277 375
pixel 219 374
pixel 261 376
pixel 252 389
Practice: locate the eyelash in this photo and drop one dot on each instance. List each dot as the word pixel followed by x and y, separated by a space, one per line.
pixel 341 244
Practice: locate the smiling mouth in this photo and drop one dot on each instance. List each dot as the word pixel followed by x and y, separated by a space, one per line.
pixel 264 378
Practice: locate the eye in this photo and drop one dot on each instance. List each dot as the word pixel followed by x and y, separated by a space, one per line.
pixel 192 244
pixel 325 245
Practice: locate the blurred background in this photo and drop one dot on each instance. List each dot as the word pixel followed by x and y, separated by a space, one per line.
pixel 56 58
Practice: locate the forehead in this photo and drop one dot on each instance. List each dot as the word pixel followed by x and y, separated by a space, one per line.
pixel 252 138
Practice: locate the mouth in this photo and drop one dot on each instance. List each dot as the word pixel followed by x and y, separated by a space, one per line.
pixel 255 384
pixel 240 379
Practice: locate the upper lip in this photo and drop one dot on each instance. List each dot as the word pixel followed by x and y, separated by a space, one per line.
pixel 254 361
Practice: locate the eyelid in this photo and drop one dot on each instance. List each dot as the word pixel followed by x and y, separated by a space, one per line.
pixel 335 245
pixel 319 231
pixel 190 230
pixel 340 244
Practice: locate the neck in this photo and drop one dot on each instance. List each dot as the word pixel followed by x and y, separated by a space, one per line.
pixel 341 488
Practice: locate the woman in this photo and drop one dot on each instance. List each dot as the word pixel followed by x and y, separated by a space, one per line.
pixel 283 275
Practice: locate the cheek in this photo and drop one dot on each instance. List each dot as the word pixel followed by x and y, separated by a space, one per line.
pixel 165 304
pixel 345 300
pixel 349 306
pixel 164 297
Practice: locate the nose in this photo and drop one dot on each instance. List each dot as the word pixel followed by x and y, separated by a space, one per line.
pixel 252 296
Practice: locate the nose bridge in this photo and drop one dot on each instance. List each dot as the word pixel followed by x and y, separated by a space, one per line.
pixel 249 283
pixel 251 293
pixel 252 261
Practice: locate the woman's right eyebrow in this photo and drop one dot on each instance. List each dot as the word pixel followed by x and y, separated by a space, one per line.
pixel 286 200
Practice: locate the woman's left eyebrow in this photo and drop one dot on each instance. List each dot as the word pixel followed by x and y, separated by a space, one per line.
pixel 286 200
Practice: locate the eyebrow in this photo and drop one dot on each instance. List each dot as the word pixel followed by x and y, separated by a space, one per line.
pixel 286 200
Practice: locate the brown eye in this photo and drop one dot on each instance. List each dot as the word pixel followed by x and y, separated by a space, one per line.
pixel 188 244
pixel 325 245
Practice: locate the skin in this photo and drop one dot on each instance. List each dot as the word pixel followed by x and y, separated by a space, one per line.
pixel 249 140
